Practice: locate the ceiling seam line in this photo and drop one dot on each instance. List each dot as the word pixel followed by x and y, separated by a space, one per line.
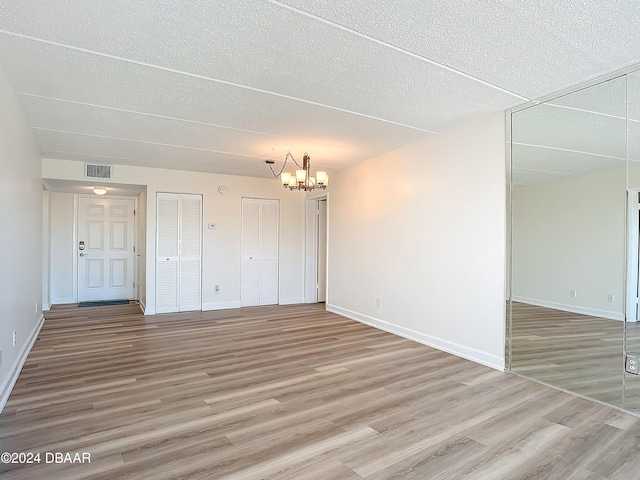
pixel 215 80
pixel 168 166
pixel 398 49
pixel 584 110
pixel 145 142
pixel 568 150
pixel 546 171
pixel 175 118
pixel 150 143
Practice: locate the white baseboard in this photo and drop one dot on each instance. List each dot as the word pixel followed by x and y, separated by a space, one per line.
pixel 143 306
pixel 12 378
pixel 46 307
pixel 63 301
pixel 291 301
pixel 220 305
pixel 594 312
pixel 467 353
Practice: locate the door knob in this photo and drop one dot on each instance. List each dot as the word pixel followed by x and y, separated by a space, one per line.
pixel 83 254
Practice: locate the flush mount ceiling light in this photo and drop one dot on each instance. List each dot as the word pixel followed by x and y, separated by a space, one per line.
pixel 99 190
pixel 302 180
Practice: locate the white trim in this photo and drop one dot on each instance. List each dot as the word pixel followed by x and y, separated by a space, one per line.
pixel 143 307
pixel 63 301
pixel 632 255
pixel 594 312
pixel 46 307
pixel 220 305
pixel 311 247
pixel 14 372
pixel 478 356
pixel 291 301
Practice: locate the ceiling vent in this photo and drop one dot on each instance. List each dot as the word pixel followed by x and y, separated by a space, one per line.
pixel 97 171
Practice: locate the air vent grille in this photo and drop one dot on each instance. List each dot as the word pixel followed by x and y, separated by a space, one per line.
pixel 97 171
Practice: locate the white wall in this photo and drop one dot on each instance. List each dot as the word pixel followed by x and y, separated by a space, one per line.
pixel 21 206
pixel 221 252
pixel 62 249
pixel 568 234
pixel 423 229
pixel 46 248
pixel 142 247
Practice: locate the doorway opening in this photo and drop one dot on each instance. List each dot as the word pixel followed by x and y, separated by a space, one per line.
pixel 316 249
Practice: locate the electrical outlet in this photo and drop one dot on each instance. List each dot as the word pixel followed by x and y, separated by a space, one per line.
pixel 217 289
pixel 14 338
pixel 610 298
pixel 573 293
pixel 378 302
pixel 632 364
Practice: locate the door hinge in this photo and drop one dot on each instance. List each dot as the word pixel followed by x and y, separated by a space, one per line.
pixel 134 284
pixel 134 249
pixel 134 212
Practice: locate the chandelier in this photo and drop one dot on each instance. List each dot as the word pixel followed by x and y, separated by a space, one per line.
pixel 302 180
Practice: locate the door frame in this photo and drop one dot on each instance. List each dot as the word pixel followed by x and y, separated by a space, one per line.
pixel 633 246
pixel 311 248
pixel 74 246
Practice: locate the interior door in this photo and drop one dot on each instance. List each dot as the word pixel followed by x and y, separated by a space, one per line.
pixel 322 250
pixel 259 263
pixel 105 248
pixel 179 252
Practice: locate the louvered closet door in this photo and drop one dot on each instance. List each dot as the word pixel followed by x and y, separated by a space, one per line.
pixel 167 236
pixel 179 258
pixel 190 253
pixel 259 269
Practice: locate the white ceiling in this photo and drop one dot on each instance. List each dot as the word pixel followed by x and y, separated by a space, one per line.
pixel 220 86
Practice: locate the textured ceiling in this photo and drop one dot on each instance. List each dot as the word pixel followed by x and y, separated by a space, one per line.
pixel 219 86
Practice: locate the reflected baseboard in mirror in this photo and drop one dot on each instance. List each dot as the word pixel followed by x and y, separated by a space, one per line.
pixel 575 352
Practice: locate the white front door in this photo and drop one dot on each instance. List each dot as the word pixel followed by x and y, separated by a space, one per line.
pixel 105 248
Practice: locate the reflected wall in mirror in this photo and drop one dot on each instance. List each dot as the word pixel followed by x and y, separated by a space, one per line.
pixel 568 240
pixel 631 386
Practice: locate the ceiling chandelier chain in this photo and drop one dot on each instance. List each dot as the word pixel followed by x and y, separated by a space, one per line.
pixel 302 179
pixel 284 165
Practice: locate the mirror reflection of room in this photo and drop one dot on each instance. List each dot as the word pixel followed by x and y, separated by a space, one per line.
pixel 569 158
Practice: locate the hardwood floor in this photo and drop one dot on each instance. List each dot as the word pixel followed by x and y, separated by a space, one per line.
pixel 290 393
pixel 577 352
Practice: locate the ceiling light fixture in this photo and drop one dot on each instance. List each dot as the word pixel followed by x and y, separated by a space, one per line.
pixel 302 179
pixel 99 190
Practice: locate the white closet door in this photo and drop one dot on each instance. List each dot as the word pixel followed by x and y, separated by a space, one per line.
pixel 250 252
pixel 190 253
pixel 269 253
pixel 168 235
pixel 179 253
pixel 259 266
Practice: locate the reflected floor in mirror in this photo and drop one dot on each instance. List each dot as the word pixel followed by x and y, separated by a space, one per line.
pixel 576 352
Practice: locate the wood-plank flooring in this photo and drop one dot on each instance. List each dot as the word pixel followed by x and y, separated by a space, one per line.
pixel 577 352
pixel 290 392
